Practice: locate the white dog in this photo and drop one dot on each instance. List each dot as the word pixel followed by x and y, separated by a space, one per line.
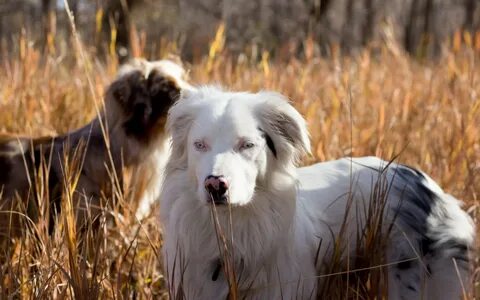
pixel 240 217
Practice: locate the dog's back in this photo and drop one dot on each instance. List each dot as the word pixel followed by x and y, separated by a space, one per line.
pixel 425 234
pixel 21 160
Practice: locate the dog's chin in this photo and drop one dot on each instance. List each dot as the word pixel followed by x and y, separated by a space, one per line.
pixel 225 201
pixel 222 201
pixel 208 200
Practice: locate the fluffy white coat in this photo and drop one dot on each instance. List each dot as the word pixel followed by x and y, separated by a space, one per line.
pixel 282 221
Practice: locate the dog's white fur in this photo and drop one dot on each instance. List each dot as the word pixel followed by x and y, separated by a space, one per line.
pixel 280 215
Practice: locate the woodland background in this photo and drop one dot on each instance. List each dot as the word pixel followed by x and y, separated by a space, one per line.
pixel 393 78
pixel 277 26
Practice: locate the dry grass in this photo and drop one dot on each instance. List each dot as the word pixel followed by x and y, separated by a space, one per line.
pixel 371 104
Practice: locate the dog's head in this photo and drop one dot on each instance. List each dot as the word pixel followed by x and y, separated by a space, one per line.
pixel 232 144
pixel 139 99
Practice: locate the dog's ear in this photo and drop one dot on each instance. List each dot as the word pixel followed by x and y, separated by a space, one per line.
pixel 163 89
pixel 180 118
pixel 284 128
pixel 127 102
pixel 121 90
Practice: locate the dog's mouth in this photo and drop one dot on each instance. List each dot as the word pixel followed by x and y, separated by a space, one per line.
pixel 216 198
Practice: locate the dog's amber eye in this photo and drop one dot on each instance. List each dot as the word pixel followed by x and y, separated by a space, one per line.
pixel 246 145
pixel 200 146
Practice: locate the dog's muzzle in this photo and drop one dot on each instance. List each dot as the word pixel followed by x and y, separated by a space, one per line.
pixel 217 189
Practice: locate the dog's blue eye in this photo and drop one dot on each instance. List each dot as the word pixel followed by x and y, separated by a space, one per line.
pixel 247 145
pixel 200 146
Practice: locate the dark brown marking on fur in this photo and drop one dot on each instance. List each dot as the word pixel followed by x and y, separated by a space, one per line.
pixel 270 143
pixel 410 287
pixel 55 193
pixel 285 126
pixel 42 160
pixel 121 89
pixel 148 103
pixel 404 265
pixel 5 169
pixel 216 271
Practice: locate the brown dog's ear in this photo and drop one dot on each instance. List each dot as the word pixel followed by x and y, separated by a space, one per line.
pixel 121 89
pixel 163 88
pixel 126 99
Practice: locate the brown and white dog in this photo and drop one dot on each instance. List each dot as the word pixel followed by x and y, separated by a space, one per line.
pixel 128 133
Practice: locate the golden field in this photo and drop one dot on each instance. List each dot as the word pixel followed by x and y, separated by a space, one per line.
pixel 379 102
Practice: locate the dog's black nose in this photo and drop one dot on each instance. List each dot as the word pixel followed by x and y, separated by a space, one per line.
pixel 217 187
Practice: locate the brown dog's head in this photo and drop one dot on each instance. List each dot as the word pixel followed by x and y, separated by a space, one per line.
pixel 139 99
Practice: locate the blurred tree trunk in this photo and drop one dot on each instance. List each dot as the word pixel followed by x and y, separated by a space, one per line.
pixel 74 8
pixel 1 27
pixel 347 33
pixel 370 10
pixel 116 26
pixel 430 45
pixel 48 25
pixel 73 4
pixel 411 32
pixel 316 11
pixel 470 9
